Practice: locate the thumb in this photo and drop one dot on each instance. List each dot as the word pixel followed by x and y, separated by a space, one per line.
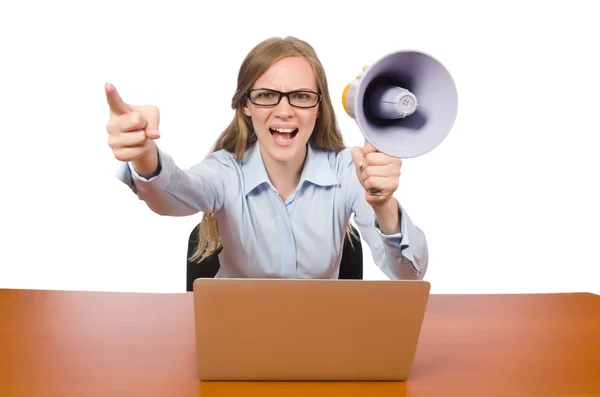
pixel 152 130
pixel 368 148
pixel 358 157
pixel 152 115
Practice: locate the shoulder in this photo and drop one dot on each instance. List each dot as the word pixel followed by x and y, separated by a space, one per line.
pixel 343 169
pixel 222 156
pixel 218 165
pixel 221 159
pixel 341 162
pixel 336 164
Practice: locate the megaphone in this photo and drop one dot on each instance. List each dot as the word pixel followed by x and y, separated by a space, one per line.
pixel 405 104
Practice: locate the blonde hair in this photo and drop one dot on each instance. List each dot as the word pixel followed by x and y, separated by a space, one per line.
pixel 239 135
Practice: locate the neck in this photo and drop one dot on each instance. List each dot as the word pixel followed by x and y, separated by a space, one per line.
pixel 285 176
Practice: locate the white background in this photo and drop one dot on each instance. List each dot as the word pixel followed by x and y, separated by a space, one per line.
pixel 509 201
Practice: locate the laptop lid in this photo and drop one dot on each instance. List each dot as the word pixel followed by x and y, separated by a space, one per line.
pixel 307 329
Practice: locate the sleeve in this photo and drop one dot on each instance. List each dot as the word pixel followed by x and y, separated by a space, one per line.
pixel 177 192
pixel 400 256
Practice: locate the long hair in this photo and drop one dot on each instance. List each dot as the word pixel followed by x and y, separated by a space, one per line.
pixel 239 134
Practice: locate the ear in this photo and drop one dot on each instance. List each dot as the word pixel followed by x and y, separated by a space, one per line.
pixel 246 109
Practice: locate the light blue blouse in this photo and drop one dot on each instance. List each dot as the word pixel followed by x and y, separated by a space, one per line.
pixel 264 237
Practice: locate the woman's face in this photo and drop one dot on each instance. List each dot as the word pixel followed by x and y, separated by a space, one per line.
pixel 283 130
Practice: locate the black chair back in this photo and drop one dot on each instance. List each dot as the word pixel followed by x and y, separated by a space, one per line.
pixel 351 265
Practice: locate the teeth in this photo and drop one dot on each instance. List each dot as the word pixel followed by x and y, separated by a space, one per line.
pixel 284 130
pixel 283 140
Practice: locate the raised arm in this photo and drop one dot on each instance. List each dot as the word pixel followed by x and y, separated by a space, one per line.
pixel 152 174
pixel 398 247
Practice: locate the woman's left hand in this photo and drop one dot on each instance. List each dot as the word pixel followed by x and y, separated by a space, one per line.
pixel 378 173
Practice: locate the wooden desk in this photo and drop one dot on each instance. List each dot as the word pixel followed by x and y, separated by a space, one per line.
pixel 88 344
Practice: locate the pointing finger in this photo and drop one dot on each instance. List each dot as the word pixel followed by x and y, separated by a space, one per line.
pixel 115 102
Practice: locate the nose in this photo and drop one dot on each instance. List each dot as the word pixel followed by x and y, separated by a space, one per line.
pixel 284 109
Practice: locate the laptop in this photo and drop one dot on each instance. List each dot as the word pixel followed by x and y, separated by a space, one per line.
pixel 307 329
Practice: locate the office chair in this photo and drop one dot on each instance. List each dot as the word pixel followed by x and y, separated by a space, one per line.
pixel 351 265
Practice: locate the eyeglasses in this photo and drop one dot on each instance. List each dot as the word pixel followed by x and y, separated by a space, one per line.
pixel 299 99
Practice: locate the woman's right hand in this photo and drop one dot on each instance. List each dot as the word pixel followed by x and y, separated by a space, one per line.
pixel 131 132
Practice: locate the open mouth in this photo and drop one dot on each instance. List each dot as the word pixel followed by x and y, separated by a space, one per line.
pixel 283 135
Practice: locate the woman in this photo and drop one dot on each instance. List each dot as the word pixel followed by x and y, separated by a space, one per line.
pixel 279 188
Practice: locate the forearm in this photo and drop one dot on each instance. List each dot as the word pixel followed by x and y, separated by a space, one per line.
pixel 389 217
pixel 399 247
pixel 405 259
pixel 176 192
pixel 147 166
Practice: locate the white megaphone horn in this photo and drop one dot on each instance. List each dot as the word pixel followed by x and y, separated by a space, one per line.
pixel 404 104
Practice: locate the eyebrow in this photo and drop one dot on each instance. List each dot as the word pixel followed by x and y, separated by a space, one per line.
pixel 295 89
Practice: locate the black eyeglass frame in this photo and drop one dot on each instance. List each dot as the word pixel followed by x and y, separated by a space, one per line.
pixel 284 94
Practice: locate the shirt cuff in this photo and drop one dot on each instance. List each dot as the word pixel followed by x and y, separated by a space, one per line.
pixel 397 242
pixel 128 175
